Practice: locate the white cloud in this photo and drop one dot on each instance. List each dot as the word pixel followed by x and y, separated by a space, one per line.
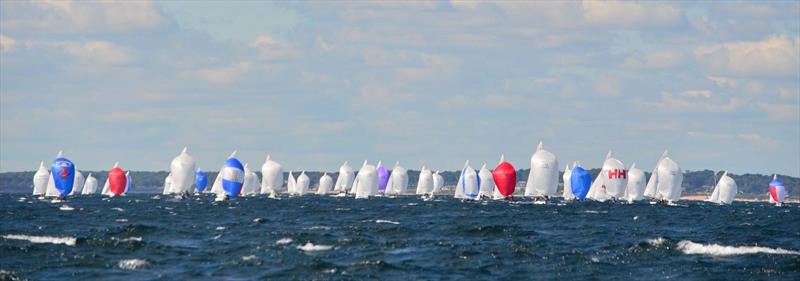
pixel 222 75
pixel 695 102
pixel 79 17
pixel 759 140
pixel 781 112
pixel 378 95
pixel 752 138
pixel 98 52
pixel 785 93
pixel 431 67
pixel 657 60
pixel 270 48
pixel 775 56
pixel 629 14
pixel 6 44
pixel 607 86
pixel 697 93
pixel 723 81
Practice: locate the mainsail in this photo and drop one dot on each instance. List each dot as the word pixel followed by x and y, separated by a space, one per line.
pixel 78 185
pixel 725 190
pixel 651 191
pixel 438 182
pixel 670 178
pixel 90 186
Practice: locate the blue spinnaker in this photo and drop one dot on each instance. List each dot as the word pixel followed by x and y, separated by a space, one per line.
pixel 232 177
pixel 580 181
pixel 201 180
pixel 63 172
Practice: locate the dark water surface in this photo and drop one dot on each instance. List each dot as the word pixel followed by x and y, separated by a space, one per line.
pixel 142 237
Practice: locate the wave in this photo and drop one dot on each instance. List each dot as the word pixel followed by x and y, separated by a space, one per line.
pixel 692 248
pixel 249 258
pixel 310 247
pixel 658 241
pixel 386 221
pixel 69 241
pixel 66 208
pixel 283 241
pixel 132 263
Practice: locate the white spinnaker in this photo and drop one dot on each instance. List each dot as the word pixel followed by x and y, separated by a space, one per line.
pixel 325 184
pixel 77 185
pixel 366 181
pixel 567 178
pixel 250 185
pixel 271 176
pixel 425 182
pixel 670 178
pixel 167 185
pixel 345 179
pixel 636 184
pixel 398 180
pixel 216 188
pixel 302 184
pixel 651 189
pixel 291 183
pixel 182 169
pixel 727 189
pixel 543 176
pixel 40 180
pixel 611 181
pixel 486 182
pixel 90 186
pixel 438 182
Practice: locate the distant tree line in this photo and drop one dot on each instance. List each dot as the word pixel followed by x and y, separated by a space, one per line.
pixel 694 182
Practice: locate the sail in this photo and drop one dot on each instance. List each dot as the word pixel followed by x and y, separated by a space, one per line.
pixel 459 188
pixel 366 182
pixel 543 176
pixel 117 181
pixel 201 181
pixel 232 177
pixel 438 182
pixel 566 192
pixel 78 185
pixel 650 191
pixel 217 187
pixel 611 181
pixel 106 189
pixel 486 182
pixel 714 197
pixel 344 181
pixel 167 185
pixel 505 177
pixel 250 185
pixel 727 189
pixel 90 186
pixel 425 182
pixel 325 184
pixel 301 187
pixel 291 183
pixel 182 170
pixel 777 191
pixel 399 180
pixel 62 176
pixel 51 190
pixel 40 180
pixel 670 178
pixel 383 177
pixel 128 182
pixel 580 182
pixel 636 185
pixel 271 176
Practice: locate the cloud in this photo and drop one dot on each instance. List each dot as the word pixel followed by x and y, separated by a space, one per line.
pixel 378 95
pixel 690 101
pixel 98 52
pixel 723 81
pixel 270 48
pixel 431 67
pixel 607 86
pixel 775 56
pixel 630 14
pixel 6 44
pixel 222 75
pixel 758 140
pixel 79 17
pixel 781 112
pixel 697 93
pixel 656 60
pixel 752 138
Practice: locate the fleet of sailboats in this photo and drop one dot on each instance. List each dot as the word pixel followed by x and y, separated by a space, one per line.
pixel 613 182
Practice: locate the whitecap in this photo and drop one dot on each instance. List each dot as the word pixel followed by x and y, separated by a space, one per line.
pixel 591 212
pixel 283 241
pixel 134 238
pixel 658 241
pixel 319 227
pixel 635 217
pixel 132 264
pixel 412 204
pixel 220 228
pixel 66 208
pixel 310 247
pixel 692 248
pixel 386 221
pixel 249 258
pixel 122 220
pixel 118 209
pixel 69 241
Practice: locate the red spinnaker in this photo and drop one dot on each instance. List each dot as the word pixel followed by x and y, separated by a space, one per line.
pixel 117 181
pixel 505 177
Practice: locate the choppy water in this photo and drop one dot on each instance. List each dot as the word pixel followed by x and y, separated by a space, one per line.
pixel 138 237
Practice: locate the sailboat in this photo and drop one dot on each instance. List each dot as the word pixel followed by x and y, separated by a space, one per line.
pixel 467 185
pixel 167 185
pixel 438 182
pixel 398 180
pixel 302 184
pixel 543 176
pixel 217 188
pixel 325 184
pixel 250 185
pixel 486 183
pixel 580 181
pixel 777 191
pixel 505 177
pixel 90 186
pixel 636 184
pixel 78 185
pixel 62 177
pixel 40 179
pixel 232 177
pixel 344 181
pixel 271 177
pixel 425 182
pixel 724 191
pixel 665 181
pixel 201 181
pixel 366 182
pixel 383 177
pixel 291 184
pixel 181 170
pixel 117 181
pixel 567 191
pixel 611 182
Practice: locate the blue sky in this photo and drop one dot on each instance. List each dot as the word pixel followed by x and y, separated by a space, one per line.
pixel 423 83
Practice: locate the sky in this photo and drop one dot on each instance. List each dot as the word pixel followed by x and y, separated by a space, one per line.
pixel 429 83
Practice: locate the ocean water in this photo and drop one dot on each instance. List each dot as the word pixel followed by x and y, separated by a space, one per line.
pixel 144 237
